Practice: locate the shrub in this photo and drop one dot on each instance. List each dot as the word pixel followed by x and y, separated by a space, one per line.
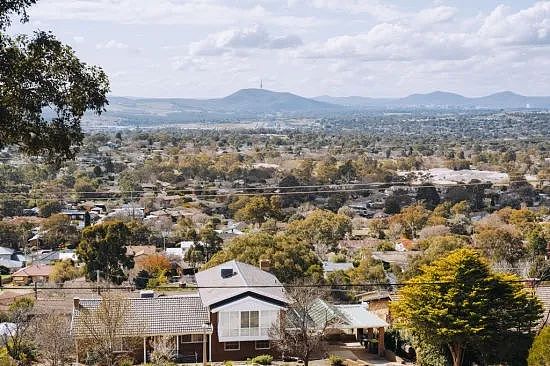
pixel 227 363
pixel 262 360
pixel 125 361
pixel 538 355
pixel 335 360
pixel 385 246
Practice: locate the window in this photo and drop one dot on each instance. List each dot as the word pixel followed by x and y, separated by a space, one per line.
pixel 191 338
pixel 234 324
pixel 231 346
pixel 250 323
pixel 262 345
pixel 250 319
pixel 229 323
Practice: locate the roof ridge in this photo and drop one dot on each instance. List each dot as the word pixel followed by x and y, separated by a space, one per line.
pixel 241 272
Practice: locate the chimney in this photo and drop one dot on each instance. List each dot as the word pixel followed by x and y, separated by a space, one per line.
pixel 265 265
pixel 76 303
pixel 147 294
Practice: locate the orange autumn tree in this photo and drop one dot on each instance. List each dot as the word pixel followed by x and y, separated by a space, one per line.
pixel 157 266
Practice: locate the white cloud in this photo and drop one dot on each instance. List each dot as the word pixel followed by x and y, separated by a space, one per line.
pixel 362 47
pixel 392 41
pixel 528 26
pixel 112 44
pixel 380 10
pixel 170 12
pixel 409 39
pixel 255 37
pixel 436 15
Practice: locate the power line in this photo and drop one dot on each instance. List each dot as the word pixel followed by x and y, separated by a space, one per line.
pixel 191 191
pixel 343 285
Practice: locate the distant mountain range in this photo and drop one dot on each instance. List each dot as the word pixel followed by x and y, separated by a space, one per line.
pixel 439 99
pixel 245 103
pixel 254 103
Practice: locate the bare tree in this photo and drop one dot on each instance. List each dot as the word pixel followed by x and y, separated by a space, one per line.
pixel 164 350
pixel 105 330
pixel 53 339
pixel 17 334
pixel 303 328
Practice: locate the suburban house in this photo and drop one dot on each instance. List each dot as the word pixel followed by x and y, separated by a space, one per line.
pixel 183 317
pixel 52 256
pixel 36 273
pixel 244 302
pixel 11 260
pixel 329 267
pixel 78 218
pixel 378 302
pixel 229 318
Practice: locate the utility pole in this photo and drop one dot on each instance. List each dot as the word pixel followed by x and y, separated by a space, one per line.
pixel 97 280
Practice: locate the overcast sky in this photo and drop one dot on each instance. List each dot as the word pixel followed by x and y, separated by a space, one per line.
pixel 210 48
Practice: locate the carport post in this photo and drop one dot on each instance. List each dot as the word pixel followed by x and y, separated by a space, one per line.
pixel 144 350
pixel 381 348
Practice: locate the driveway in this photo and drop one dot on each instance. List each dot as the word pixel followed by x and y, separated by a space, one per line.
pixel 354 351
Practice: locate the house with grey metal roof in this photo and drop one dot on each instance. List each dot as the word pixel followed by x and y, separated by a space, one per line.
pixel 244 302
pixel 329 267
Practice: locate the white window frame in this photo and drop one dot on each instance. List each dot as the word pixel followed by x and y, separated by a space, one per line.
pixel 260 348
pixel 232 349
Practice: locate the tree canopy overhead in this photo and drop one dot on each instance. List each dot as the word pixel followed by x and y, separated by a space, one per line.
pixel 458 303
pixel 44 90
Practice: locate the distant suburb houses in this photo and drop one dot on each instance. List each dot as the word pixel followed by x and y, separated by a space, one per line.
pixel 228 318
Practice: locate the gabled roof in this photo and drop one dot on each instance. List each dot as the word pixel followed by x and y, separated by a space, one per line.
pixel 374 295
pixel 356 316
pixel 10 263
pixel 34 270
pixel 213 288
pixel 6 251
pixel 165 315
pixel 353 316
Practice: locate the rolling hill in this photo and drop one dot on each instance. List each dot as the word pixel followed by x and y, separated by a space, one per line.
pixel 439 99
pixel 260 103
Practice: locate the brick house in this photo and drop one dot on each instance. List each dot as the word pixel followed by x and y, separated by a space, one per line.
pixel 229 317
pixel 36 273
pixel 182 317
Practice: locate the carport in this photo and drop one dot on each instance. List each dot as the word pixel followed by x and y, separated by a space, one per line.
pixel 359 320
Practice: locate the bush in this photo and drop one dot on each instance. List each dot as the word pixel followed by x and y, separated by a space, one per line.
pixel 262 360
pixel 335 360
pixel 227 363
pixel 125 361
pixel 385 246
pixel 539 355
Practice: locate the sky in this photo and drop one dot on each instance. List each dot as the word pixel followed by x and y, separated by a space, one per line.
pixel 376 48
